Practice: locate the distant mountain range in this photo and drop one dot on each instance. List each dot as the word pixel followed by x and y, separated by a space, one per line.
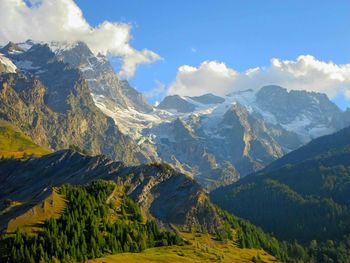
pixel 215 139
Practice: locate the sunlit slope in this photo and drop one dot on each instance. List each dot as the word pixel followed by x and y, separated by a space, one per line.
pixel 203 248
pixel 32 220
pixel 14 143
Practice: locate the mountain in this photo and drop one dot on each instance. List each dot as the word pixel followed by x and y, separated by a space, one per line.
pixel 167 195
pixel 214 139
pixel 302 196
pixel 62 95
pixel 51 101
pixel 239 130
pixel 182 104
pixel 208 99
pixel 101 77
pixel 197 134
pixel 119 197
pixel 309 114
pixel 177 103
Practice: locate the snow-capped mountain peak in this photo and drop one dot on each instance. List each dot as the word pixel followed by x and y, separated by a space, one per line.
pixel 215 138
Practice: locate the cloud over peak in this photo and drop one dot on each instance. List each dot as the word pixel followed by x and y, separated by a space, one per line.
pixel 304 73
pixel 63 20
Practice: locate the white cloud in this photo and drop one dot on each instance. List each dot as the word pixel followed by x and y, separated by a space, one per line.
pixel 304 73
pixel 159 89
pixel 63 20
pixel 209 77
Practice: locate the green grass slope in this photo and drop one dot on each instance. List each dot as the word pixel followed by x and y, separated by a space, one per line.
pixel 14 143
pixel 201 248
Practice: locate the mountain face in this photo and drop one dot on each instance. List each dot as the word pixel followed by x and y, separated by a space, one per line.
pixel 219 139
pixel 175 102
pixel 307 113
pixel 166 195
pixel 51 102
pixel 303 196
pixel 240 129
pixel 215 139
pixel 188 104
pixel 101 77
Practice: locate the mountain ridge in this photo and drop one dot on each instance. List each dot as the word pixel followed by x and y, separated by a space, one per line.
pixel 148 133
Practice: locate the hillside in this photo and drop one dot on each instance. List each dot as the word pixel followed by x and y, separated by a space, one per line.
pixel 85 229
pixel 304 196
pixel 14 143
pixel 95 223
pixel 157 188
pixel 159 193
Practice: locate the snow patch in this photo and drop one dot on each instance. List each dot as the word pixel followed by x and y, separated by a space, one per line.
pixel 59 47
pixel 8 64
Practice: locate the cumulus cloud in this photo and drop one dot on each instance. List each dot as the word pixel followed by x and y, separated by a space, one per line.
pixel 304 73
pixel 63 20
pixel 209 77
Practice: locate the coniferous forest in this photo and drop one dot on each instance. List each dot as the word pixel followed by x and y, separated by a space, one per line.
pixel 85 230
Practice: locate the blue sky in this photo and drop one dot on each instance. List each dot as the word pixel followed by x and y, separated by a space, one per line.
pixel 241 34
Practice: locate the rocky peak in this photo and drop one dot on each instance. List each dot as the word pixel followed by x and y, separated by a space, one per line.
pixel 208 99
pixel 175 102
pixel 138 101
pixel 287 106
pixel 101 77
pixel 11 48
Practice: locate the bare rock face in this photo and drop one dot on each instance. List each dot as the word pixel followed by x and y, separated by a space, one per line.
pixel 52 103
pixel 101 77
pixel 311 110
